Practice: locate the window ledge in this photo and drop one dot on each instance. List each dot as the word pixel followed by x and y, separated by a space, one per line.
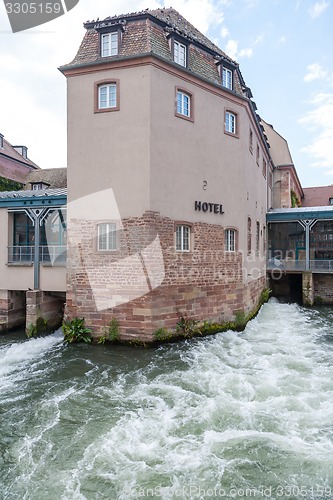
pixel 19 264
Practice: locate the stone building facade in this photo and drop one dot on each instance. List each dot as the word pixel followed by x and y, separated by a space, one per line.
pixel 169 178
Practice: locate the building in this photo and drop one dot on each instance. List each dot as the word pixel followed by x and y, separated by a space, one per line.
pixel 33 249
pixel 169 178
pixel 15 165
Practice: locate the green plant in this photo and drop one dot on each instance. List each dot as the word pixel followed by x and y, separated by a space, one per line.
pixel 102 340
pixel 163 334
pixel 294 199
pixel 113 332
pixel 240 318
pixel 265 294
pixel 30 331
pixel 75 331
pixel 188 326
pixel 318 300
pixel 9 185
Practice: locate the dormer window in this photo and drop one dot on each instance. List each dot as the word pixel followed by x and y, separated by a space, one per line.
pixel 110 44
pixel 36 186
pixel 180 53
pixel 227 78
pixel 1 141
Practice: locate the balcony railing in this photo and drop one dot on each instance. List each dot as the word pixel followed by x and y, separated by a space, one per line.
pixel 52 254
pixel 316 266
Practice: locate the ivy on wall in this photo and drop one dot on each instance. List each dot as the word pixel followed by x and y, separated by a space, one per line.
pixel 9 185
pixel 294 199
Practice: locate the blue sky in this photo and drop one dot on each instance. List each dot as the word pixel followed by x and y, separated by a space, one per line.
pixel 284 48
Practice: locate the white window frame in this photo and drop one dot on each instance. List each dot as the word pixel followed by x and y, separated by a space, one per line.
pixel 230 122
pixel 109 44
pixel 183 238
pixel 110 100
pixel 183 103
pixel 107 236
pixel 230 240
pixel 227 78
pixel 179 53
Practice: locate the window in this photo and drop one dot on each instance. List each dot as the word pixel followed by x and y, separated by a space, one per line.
pixel 257 154
pixel 183 103
pixel 1 141
pixel 230 240
pixel 106 96
pixel 331 201
pixel 249 236
pixel 230 123
pixel 37 186
pixel 179 53
pixel 264 167
pixel 106 236
pixel 109 44
pixel 227 78
pixel 251 141
pixel 183 238
pixel 257 237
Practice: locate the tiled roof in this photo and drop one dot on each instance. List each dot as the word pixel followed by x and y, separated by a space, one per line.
pixel 33 194
pixel 9 151
pixel 317 196
pixel 147 32
pixel 54 177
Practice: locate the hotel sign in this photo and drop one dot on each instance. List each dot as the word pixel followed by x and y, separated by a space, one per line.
pixel 204 206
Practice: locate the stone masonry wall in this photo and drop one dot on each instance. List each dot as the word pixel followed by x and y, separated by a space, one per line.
pixel 323 288
pixel 12 309
pixel 147 284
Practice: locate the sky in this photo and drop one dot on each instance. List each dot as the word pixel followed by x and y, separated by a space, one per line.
pixel 283 47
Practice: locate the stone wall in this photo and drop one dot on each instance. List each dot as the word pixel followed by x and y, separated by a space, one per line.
pixel 147 284
pixel 12 309
pixel 323 288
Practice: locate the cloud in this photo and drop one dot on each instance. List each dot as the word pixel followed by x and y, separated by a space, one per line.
pixel 318 8
pixel 315 72
pixel 201 13
pixel 319 121
pixel 282 40
pixel 233 52
pixel 224 32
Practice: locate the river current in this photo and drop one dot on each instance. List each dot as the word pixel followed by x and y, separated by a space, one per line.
pixel 235 415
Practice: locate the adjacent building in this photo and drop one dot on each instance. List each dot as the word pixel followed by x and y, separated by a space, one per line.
pixel 15 165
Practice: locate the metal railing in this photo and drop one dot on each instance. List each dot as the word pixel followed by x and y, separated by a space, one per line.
pixel 53 254
pixel 316 266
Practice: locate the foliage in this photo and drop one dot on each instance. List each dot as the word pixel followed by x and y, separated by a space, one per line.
pixel 36 329
pixel 113 333
pixel 318 300
pixel 9 185
pixel 265 294
pixel 294 199
pixel 188 327
pixel 240 318
pixel 75 331
pixel 163 334
pixel 102 340
pixel 30 331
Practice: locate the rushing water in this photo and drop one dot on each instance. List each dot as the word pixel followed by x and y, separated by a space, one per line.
pixel 246 415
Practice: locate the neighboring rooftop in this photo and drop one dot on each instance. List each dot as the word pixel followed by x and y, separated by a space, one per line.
pixel 148 32
pixel 16 153
pixel 318 196
pixel 50 178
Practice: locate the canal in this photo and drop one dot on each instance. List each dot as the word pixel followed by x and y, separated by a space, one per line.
pixel 235 415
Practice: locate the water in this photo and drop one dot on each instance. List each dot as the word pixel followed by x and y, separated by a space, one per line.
pixel 246 415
